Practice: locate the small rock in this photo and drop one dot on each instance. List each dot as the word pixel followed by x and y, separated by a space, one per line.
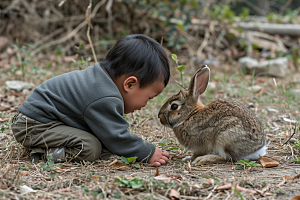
pixel 19 85
pixel 296 92
pixel 272 110
pixel 289 120
pixel 211 86
pixel 255 88
pixel 293 140
pixel 275 67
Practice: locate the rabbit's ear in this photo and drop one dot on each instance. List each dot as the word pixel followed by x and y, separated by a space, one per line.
pixel 199 81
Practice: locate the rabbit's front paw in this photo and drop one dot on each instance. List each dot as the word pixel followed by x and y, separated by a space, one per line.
pixel 208 159
pixel 187 158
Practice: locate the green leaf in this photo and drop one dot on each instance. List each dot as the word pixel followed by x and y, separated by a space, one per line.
pixel 136 185
pixel 181 68
pixel 238 166
pixel 59 165
pixel 43 165
pixel 47 168
pixel 117 180
pixel 163 142
pixel 137 165
pixel 50 163
pixel 52 174
pixel 132 159
pixel 117 196
pixel 125 160
pixel 174 57
pixel 49 156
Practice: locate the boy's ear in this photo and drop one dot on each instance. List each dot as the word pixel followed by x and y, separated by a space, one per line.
pixel 130 82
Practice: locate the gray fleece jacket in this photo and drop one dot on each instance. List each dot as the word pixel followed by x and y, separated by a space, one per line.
pixel 87 100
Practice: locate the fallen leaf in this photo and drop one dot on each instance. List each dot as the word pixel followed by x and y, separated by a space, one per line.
pixel 249 191
pixel 121 166
pixel 266 188
pixel 66 190
pixel 263 193
pixel 3 187
pixel 196 185
pixel 267 162
pixel 281 183
pixel 113 162
pixel 296 198
pixel 209 182
pixel 25 189
pixel 296 177
pixel 128 177
pixel 223 187
pixel 95 177
pixel 24 173
pixel 288 178
pixel 64 169
pixel 167 178
pixel 60 177
pixel 174 194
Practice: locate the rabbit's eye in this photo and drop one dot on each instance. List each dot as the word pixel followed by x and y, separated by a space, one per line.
pixel 174 106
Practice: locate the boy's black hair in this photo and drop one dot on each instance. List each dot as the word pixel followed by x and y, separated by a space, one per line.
pixel 138 55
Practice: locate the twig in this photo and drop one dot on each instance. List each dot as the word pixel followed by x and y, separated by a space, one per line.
pixel 87 18
pixel 199 51
pixel 292 134
pixel 108 9
pixel 282 9
pixel 74 32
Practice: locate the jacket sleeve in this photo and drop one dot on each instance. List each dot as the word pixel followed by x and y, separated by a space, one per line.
pixel 105 118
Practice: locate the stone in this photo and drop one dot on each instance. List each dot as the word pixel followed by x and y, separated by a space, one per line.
pixel 19 86
pixel 296 92
pixel 276 67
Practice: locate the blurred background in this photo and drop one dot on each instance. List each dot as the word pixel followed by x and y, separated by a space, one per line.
pixel 37 36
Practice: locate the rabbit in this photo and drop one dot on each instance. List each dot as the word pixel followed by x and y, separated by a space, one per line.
pixel 224 127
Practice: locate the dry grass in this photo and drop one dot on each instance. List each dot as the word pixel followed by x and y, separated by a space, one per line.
pixel 98 180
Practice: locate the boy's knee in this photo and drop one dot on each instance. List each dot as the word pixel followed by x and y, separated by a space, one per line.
pixel 91 150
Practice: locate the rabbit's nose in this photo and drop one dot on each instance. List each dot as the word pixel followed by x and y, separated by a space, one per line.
pixel 162 119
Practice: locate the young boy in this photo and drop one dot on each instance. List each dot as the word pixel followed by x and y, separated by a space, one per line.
pixel 79 113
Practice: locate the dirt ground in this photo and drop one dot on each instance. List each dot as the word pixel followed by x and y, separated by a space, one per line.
pixel 20 179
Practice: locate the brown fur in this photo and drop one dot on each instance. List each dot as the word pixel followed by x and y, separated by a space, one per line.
pixel 221 126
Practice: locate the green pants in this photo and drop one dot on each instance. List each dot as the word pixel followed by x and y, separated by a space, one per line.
pixel 38 137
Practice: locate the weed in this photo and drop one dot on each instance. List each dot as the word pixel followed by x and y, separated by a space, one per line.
pixel 246 164
pixel 49 166
pixel 135 182
pixel 130 161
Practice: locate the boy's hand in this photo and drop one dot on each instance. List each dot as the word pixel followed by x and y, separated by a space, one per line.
pixel 159 158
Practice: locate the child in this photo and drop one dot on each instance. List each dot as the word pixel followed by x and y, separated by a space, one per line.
pixel 79 113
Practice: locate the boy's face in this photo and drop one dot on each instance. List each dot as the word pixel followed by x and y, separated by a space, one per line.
pixel 136 98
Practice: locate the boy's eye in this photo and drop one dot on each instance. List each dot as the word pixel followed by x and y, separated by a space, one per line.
pixel 174 106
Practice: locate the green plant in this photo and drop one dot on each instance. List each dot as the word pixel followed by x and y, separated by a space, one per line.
pixel 49 166
pixel 246 164
pixel 163 142
pixel 180 68
pixel 130 161
pixel 83 63
pixel 134 182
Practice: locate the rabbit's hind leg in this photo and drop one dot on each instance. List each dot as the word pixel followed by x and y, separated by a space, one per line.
pixel 208 159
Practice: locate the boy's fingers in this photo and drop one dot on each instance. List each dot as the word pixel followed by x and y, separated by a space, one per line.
pixel 156 164
pixel 162 161
pixel 165 153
